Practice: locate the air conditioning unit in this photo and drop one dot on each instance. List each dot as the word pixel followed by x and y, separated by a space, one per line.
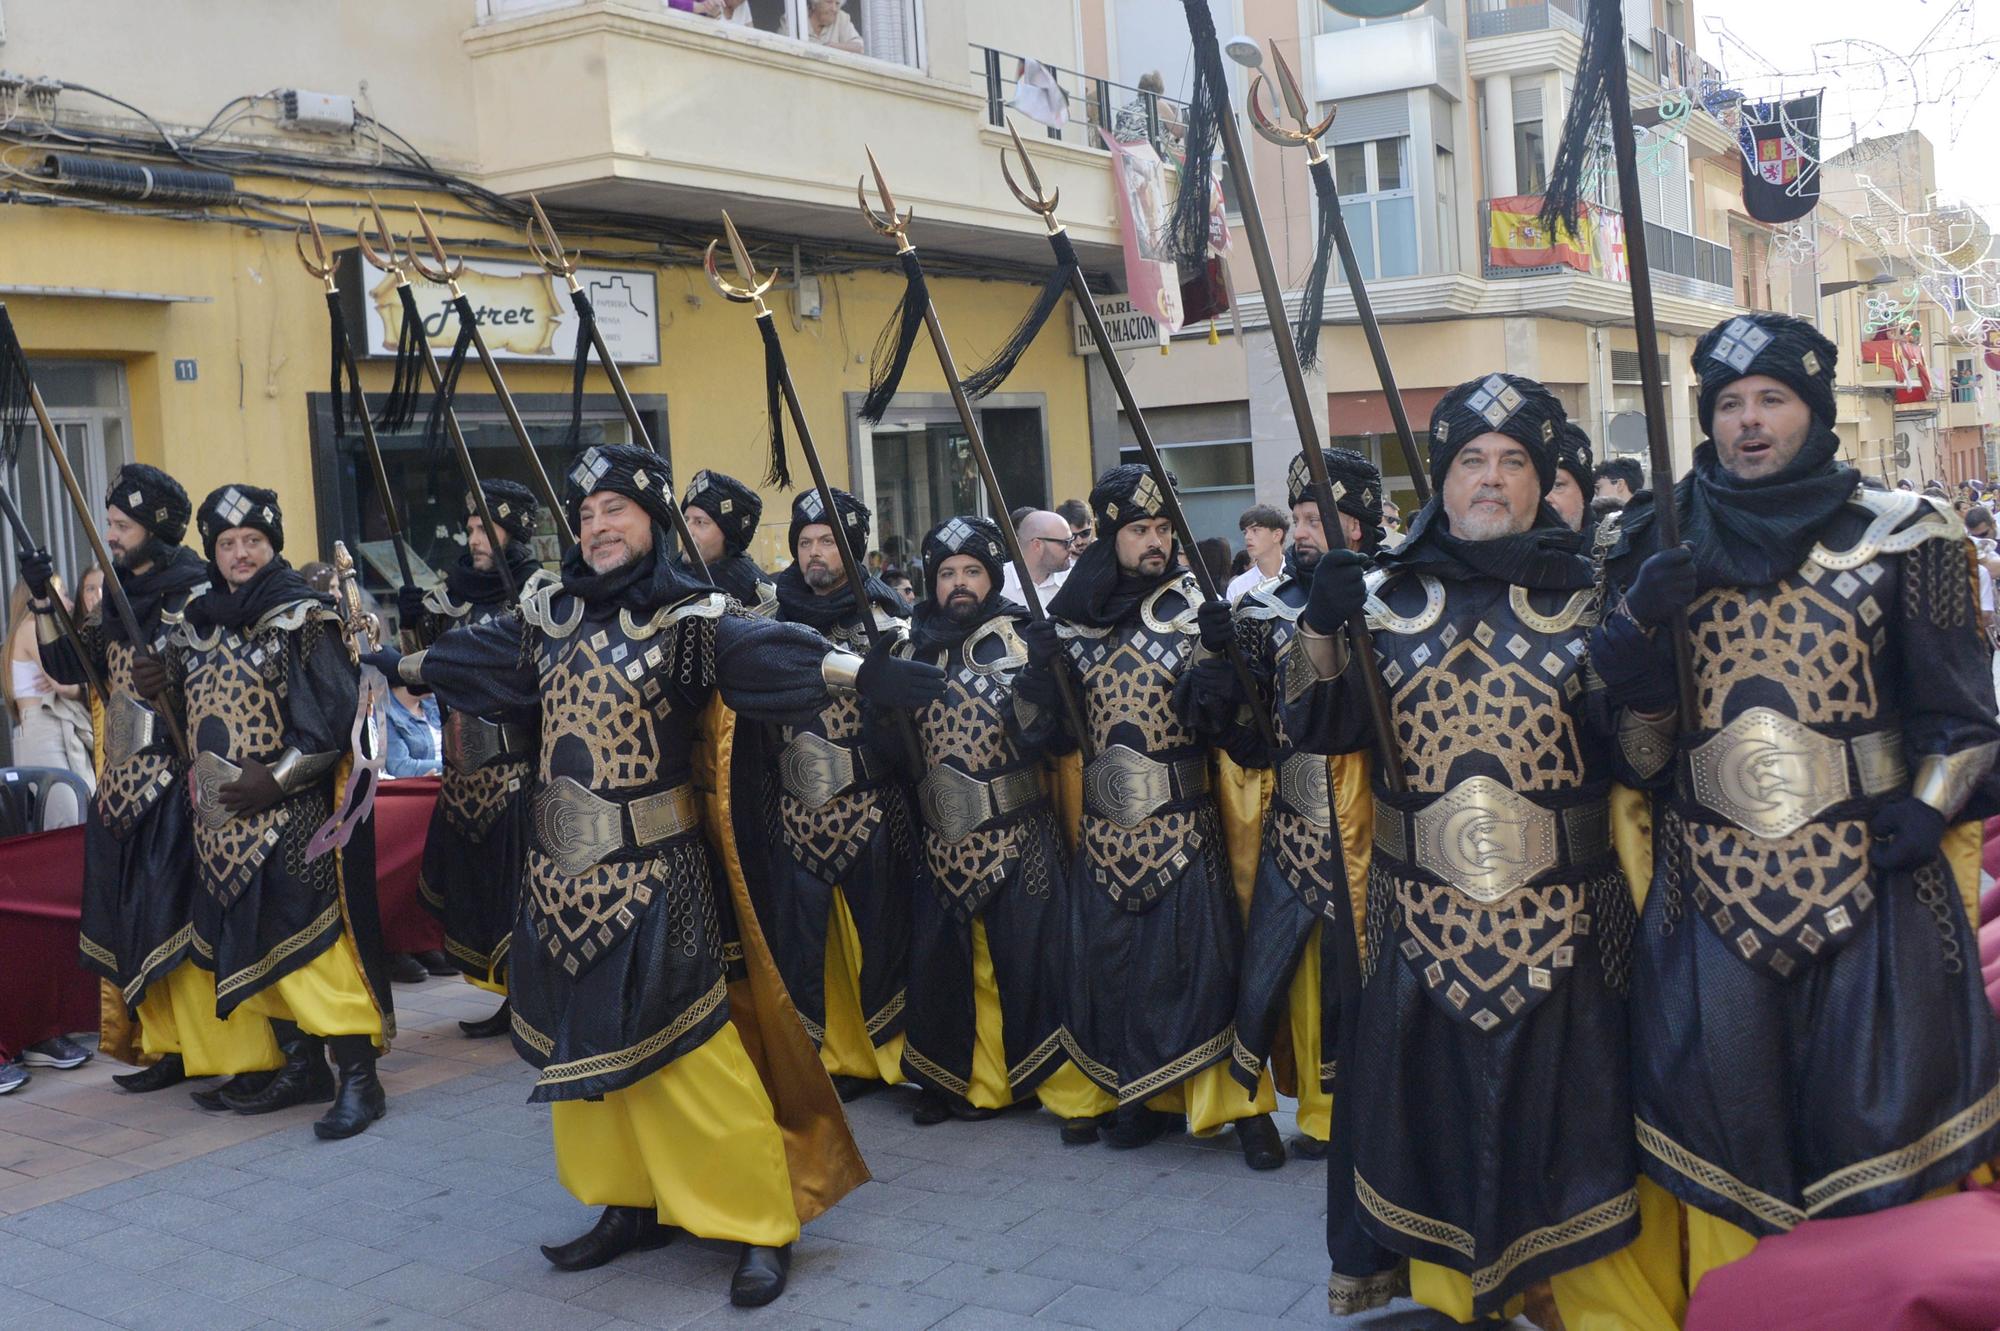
pixel 316 112
pixel 1625 367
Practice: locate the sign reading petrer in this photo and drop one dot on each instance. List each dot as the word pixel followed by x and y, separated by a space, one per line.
pixel 524 313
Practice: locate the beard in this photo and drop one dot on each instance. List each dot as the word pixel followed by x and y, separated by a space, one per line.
pixel 1484 524
pixel 1305 556
pixel 962 609
pixel 625 559
pixel 821 577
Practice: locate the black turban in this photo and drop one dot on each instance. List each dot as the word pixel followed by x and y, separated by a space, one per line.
pixel 241 505
pixel 1506 404
pixel 1573 453
pixel 1357 486
pixel 513 506
pixel 1779 346
pixel 978 537
pixel 734 506
pixel 1124 495
pixel 152 499
pixel 807 511
pixel 637 473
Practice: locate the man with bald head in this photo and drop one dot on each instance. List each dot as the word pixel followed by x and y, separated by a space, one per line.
pixel 1045 542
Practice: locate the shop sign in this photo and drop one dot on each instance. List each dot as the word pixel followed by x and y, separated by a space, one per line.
pixel 524 313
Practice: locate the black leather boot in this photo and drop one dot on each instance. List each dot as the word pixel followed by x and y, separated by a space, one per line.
pixel 1308 1148
pixel 760 1275
pixel 304 1080
pixel 1135 1125
pixel 360 1100
pixel 242 1086
pixel 499 1023
pixel 1262 1147
pixel 169 1071
pixel 621 1229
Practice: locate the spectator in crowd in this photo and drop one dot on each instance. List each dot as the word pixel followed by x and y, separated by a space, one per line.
pixel 1020 515
pixel 51 720
pixel 1045 542
pixel 414 747
pixel 1134 122
pixel 897 580
pixel 735 12
pixel 1604 506
pixel 1979 526
pixel 1620 478
pixel 1263 529
pixel 1239 565
pixel 1392 524
pixel 827 24
pixel 1215 554
pixel 1077 515
pixel 91 590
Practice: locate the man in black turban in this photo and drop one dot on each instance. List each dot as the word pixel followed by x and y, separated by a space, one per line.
pixel 1807 879
pixel 1155 934
pixel 1570 495
pixel 722 513
pixel 838 827
pixel 138 860
pixel 990 907
pixel 635 954
pixel 478 837
pixel 1499 918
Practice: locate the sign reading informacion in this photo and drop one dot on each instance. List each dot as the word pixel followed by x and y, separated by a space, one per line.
pixel 1130 327
pixel 524 313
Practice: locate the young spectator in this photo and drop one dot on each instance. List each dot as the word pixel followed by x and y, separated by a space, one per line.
pixel 414 747
pixel 1077 515
pixel 51 720
pixel 1620 478
pixel 1263 529
pixel 1215 554
pixel 898 581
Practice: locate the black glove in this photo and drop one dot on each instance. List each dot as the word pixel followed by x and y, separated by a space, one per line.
pixel 1637 670
pixel 36 570
pixel 1338 591
pixel 888 680
pixel 253 792
pixel 1216 624
pixel 410 605
pixel 1665 584
pixel 1039 636
pixel 1907 834
pixel 149 675
pixel 387 660
pixel 1037 684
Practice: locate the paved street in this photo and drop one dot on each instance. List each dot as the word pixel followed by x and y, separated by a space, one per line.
pixel 144 1212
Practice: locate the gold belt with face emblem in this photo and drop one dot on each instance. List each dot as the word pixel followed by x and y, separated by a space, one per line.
pixel 211 772
pixel 1305 787
pixel 1771 775
pixel 956 805
pixel 1487 840
pixel 1127 787
pixel 815 771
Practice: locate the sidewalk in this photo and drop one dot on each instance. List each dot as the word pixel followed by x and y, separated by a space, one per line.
pixel 144 1212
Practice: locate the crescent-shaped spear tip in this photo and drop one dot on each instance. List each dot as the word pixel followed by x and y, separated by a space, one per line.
pixel 1288 84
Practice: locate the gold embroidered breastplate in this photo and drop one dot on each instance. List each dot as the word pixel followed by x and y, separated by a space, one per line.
pixel 831 792
pixel 1489 854
pixel 473 797
pixel 1142 823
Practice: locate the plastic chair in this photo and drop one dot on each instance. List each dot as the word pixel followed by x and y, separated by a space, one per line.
pixel 24 797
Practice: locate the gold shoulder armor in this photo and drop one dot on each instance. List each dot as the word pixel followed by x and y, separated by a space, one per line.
pixel 1381 617
pixel 538 605
pixel 1263 602
pixel 1898 523
pixel 1008 651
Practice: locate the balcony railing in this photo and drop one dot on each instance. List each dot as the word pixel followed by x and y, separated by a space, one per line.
pixel 888 30
pixel 1671 64
pixel 1093 101
pixel 1682 265
pixel 1504 18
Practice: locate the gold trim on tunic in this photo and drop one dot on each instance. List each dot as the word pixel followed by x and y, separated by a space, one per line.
pixel 621 1060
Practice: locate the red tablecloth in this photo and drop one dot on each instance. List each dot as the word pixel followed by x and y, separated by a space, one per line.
pixel 43 989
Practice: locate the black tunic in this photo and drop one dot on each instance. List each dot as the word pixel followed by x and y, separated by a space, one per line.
pixel 1810 1037
pixel 478 835
pixel 621 967
pixel 1010 872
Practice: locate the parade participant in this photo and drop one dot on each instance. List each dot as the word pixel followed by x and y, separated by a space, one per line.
pixel 836 897
pixel 1155 934
pixel 987 918
pixel 664 1112
pixel 478 837
pixel 272 690
pixel 1491 1130
pixel 722 513
pixel 1570 496
pixel 1300 950
pixel 1844 713
pixel 136 926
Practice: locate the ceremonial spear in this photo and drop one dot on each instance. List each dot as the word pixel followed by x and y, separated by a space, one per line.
pixel 18 386
pixel 896 227
pixel 1044 205
pixel 750 292
pixel 446 273
pixel 1602 88
pixel 386 259
pixel 1212 92
pixel 557 262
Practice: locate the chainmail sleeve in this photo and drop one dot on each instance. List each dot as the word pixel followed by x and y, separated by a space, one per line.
pixel 484 669
pixel 322 689
pixel 1949 732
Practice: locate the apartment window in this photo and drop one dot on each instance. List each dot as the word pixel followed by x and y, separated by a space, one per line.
pixel 889 30
pixel 1380 206
pixel 1964 381
pixel 1447 211
pixel 88 406
pixel 1531 174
